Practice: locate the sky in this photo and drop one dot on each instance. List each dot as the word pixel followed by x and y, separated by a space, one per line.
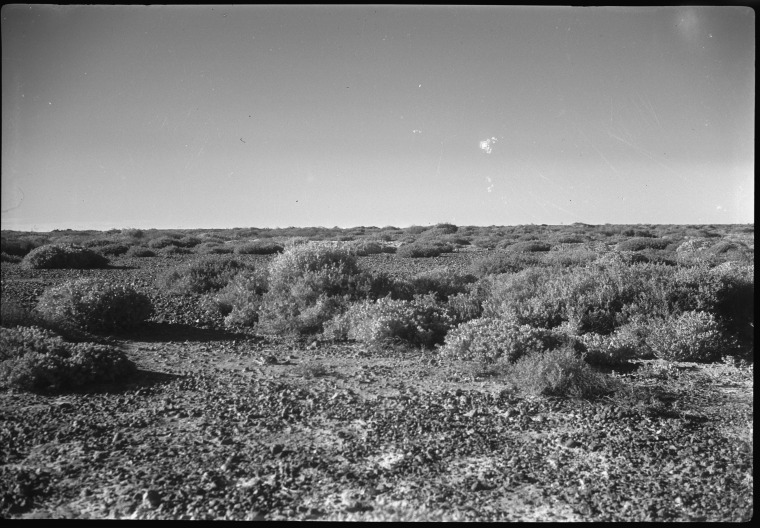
pixel 277 116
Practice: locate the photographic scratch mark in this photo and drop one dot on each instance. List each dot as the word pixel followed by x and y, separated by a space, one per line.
pixel 19 201
pixel 241 139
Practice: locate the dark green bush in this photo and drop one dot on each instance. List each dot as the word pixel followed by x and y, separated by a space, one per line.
pixel 201 275
pixel 689 336
pixel 134 233
pixel 32 358
pixel 95 305
pixel 63 257
pixel 19 247
pixel 441 282
pixel 214 248
pixel 162 242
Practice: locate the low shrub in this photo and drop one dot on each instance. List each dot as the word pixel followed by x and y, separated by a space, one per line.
pixel 560 372
pixel 174 250
pixel 201 275
pixel 240 300
pixel 161 242
pixel 55 256
pixel 441 282
pixel 308 285
pixel 489 340
pixel 113 249
pixel 259 247
pixel 690 336
pixel 20 247
pixel 420 322
pixel 5 257
pixel 530 246
pixel 32 358
pixel 214 248
pixel 140 252
pixel 133 233
pixel 422 250
pixel 498 262
pixel 641 243
pixel 95 305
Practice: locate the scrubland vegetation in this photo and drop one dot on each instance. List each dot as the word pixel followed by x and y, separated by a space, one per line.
pixel 547 312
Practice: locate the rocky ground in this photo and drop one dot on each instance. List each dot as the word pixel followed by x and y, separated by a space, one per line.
pixel 221 426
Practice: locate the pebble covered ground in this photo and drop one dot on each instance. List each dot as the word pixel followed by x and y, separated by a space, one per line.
pixel 221 426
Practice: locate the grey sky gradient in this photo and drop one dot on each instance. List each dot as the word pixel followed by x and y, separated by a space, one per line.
pixel 183 117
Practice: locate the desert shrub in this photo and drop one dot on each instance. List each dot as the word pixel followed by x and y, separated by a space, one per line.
pixel 32 358
pixel 55 256
pixel 641 243
pixel 258 247
pixel 724 246
pixel 113 249
pixel 369 247
pixel 16 248
pixel 490 340
pixel 568 257
pixel 201 275
pixel 95 305
pixel 174 250
pixel 560 372
pixel 161 242
pixel 187 241
pixel 639 233
pixel 308 285
pixel 486 242
pixel 695 244
pixel 446 228
pixel 499 262
pixel 140 251
pixel 416 230
pixel 240 300
pixel 422 250
pixel 97 242
pixel 441 282
pixel 562 238
pixel 609 350
pixel 528 246
pixel 214 248
pixel 421 322
pixel 14 259
pixel 690 336
pixel 133 233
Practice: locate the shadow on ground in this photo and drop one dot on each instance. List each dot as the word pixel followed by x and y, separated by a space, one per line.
pixel 165 332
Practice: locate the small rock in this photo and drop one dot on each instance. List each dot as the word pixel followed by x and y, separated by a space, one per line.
pixel 151 498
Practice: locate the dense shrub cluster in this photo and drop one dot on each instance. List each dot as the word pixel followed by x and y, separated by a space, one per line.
pixel 689 336
pixel 421 322
pixel 95 305
pixel 32 358
pixel 55 256
pixel 641 243
pixel 528 246
pixel 308 285
pixel 420 249
pixel 258 247
pixel 201 275
pixel 489 340
pixel 140 251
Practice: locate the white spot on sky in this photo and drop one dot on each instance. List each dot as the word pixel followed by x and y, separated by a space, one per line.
pixel 487 144
pixel 415 131
pixel 719 207
pixel 420 86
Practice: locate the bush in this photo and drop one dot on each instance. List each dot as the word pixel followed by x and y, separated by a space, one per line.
pixel 169 251
pixel 214 248
pixel 490 340
pixel 690 336
pixel 161 242
pixel 55 256
pixel 140 252
pixel 528 247
pixel 421 322
pixel 95 305
pixel 133 233
pixel 5 257
pixel 32 358
pixel 19 247
pixel 201 276
pixel 258 248
pixel 441 282
pixel 308 285
pixel 641 243
pixel 499 262
pixel 421 250
pixel 240 300
pixel 113 249
pixel 560 372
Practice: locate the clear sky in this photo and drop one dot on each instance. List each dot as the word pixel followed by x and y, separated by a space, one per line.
pixel 277 116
